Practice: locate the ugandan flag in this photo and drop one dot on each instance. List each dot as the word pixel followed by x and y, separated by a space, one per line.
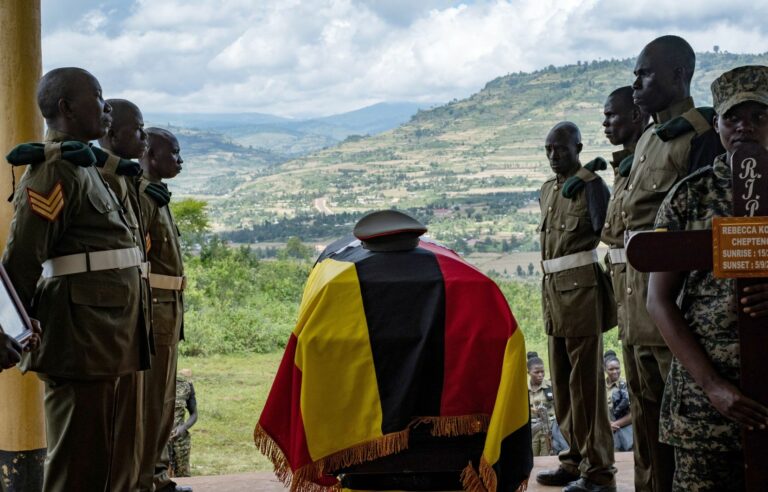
pixel 386 340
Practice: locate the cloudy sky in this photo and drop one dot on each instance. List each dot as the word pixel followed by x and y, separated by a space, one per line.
pixel 318 57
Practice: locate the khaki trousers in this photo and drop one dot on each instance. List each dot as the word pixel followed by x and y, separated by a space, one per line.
pixel 159 403
pixel 576 367
pixel 129 432
pixel 658 461
pixel 79 426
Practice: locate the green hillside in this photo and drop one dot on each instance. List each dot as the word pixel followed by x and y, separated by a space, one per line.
pixel 469 168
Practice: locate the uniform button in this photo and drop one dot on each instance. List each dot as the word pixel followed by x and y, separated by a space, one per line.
pixel 549 229
pixel 642 158
pixel 546 277
pixel 629 290
pixel 631 186
pixel 623 213
pixel 556 187
pixel 612 197
pixel 562 226
pixel 611 273
pixel 654 186
pixel 549 208
pixel 607 225
pixel 575 283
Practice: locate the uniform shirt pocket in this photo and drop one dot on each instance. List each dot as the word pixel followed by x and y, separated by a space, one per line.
pixel 100 203
pixel 571 222
pixel 576 278
pixel 659 181
pixel 98 294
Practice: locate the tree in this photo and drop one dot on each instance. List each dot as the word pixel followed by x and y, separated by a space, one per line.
pixel 531 269
pixel 716 49
pixel 192 219
pixel 294 248
pixel 520 271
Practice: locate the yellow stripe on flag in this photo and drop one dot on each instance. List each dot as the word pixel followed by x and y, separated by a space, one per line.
pixel 510 412
pixel 340 403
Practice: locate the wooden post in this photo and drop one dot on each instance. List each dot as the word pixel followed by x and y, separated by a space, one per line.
pixel 22 429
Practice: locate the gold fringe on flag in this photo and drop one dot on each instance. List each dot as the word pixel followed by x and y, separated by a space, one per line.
pixel 301 480
pixel 486 480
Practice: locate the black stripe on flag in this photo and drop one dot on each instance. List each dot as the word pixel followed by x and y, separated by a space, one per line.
pixel 404 301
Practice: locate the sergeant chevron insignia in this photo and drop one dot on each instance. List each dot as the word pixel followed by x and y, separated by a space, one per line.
pixel 49 205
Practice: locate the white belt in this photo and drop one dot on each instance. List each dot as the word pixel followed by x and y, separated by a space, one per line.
pixel 617 255
pixel 168 282
pixel 569 261
pixel 95 261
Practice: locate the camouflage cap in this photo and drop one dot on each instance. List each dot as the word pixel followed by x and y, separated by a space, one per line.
pixel 747 83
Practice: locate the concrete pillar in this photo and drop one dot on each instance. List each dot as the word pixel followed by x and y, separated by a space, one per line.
pixel 22 426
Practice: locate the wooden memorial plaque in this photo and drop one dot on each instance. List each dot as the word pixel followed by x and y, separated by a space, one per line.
pixel 737 249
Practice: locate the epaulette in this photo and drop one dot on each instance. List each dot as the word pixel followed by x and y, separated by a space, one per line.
pixel 156 191
pixel 72 151
pixel 114 164
pixel 625 166
pixel 699 121
pixel 576 183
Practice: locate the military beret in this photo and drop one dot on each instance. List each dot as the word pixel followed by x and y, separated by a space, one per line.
pixel 389 230
pixel 747 83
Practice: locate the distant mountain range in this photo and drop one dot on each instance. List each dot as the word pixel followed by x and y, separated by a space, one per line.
pixel 457 165
pixel 288 138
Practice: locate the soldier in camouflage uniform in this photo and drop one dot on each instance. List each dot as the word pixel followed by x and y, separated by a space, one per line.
pixel 703 409
pixel 680 140
pixel 578 306
pixel 540 397
pixel 180 443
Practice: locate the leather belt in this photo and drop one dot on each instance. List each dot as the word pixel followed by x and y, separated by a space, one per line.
pixel 568 262
pixel 95 261
pixel 167 282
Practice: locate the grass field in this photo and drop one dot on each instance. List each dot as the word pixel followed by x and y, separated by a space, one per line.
pixel 231 391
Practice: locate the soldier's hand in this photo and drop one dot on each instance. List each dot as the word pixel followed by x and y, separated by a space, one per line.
pixel 33 342
pixel 732 403
pixel 615 427
pixel 10 352
pixel 755 300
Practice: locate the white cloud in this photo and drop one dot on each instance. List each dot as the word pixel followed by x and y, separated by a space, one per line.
pixel 293 57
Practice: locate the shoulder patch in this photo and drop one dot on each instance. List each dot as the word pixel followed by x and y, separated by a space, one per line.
pixel 48 205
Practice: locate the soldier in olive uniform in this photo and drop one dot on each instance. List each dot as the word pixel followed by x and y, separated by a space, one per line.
pixel 624 124
pixel 76 266
pixel 161 161
pixel 181 442
pixel 578 306
pixel 540 397
pixel 126 139
pixel 704 411
pixel 680 140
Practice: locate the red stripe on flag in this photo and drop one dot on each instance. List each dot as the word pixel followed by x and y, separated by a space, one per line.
pixel 281 417
pixel 478 323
